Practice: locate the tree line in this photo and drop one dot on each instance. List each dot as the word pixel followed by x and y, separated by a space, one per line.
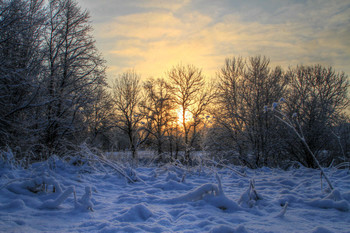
pixel 54 97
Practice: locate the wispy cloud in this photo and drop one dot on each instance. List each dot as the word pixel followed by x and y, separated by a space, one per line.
pixel 173 5
pixel 152 36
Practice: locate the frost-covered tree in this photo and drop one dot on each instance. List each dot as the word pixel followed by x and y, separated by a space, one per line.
pixel 75 71
pixel 21 34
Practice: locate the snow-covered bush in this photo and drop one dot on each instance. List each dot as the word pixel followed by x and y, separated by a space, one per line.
pixel 293 123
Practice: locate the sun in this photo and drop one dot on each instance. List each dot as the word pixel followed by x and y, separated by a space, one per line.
pixel 188 116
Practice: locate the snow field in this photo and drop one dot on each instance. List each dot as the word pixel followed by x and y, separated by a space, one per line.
pixel 58 197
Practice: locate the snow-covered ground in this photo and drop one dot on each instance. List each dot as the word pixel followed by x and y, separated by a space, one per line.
pixel 171 199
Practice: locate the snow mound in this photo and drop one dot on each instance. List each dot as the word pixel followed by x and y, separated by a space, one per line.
pixel 330 204
pixel 17 204
pixel 172 176
pixel 42 183
pixel 223 203
pixel 137 213
pixel 333 200
pixel 334 195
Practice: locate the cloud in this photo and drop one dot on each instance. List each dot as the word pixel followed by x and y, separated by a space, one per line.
pixel 153 36
pixel 142 26
pixel 154 41
pixel 173 5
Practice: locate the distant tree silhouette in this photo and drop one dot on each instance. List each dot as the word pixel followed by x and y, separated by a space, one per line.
pixel 127 96
pixel 158 108
pixel 191 95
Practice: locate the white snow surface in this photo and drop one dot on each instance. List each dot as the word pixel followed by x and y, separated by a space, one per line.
pixel 171 199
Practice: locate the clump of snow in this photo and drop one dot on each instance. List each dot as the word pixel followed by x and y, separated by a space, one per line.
pixel 172 176
pixel 329 204
pixel 283 211
pixel 85 202
pixel 54 204
pixel 333 200
pixel 16 204
pixel 250 196
pixel 211 193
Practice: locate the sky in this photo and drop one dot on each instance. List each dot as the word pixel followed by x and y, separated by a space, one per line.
pixel 152 36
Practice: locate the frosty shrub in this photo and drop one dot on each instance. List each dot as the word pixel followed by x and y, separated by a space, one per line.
pixel 318 96
pixel 293 123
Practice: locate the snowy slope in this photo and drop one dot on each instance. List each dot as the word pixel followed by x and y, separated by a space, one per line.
pixel 171 199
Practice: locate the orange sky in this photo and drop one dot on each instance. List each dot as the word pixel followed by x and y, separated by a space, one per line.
pixel 152 36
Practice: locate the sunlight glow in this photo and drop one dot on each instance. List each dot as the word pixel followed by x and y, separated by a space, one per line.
pixel 188 116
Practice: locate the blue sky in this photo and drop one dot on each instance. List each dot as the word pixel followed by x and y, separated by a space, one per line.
pixel 153 36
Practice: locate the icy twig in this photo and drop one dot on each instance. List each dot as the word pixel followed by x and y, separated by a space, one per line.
pixel 116 168
pixel 197 194
pixel 221 191
pixel 341 147
pixel 228 167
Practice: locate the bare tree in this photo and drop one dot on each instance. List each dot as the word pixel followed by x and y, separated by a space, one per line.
pixel 228 110
pixel 244 87
pixel 127 97
pixel 190 94
pixel 75 71
pixel 158 108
